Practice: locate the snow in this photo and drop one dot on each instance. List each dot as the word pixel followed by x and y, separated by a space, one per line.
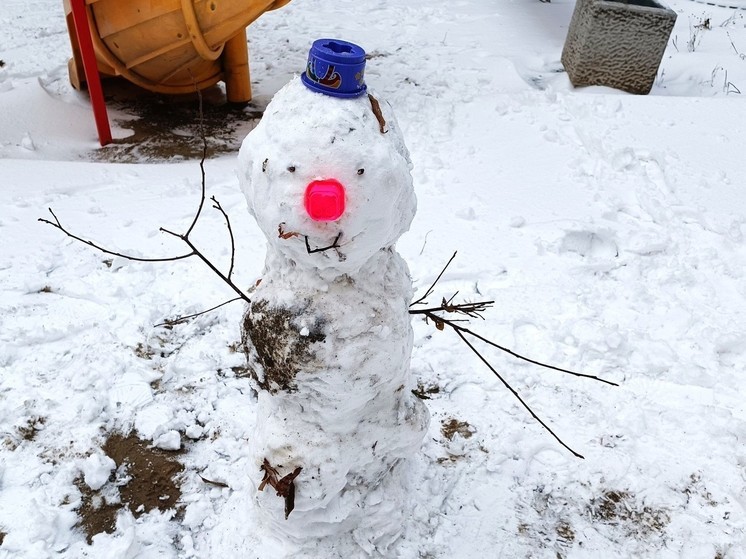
pixel 608 229
pixel 96 470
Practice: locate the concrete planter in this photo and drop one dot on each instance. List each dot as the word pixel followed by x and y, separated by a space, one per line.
pixel 617 43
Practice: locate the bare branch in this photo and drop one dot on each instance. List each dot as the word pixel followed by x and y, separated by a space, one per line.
pixel 59 226
pixel 202 160
pixel 475 310
pixel 472 310
pixel 431 315
pixel 421 300
pixel 523 403
pixel 183 237
pixel 217 272
pixel 533 361
pixel 217 206
pixel 177 235
pixel 175 321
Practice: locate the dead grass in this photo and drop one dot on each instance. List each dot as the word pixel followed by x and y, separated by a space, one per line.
pixel 452 427
pixel 31 427
pixel 622 509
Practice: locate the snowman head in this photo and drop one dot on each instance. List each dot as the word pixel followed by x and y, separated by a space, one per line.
pixel 327 178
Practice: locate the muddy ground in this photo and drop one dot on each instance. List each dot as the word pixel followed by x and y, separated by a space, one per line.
pixel 167 127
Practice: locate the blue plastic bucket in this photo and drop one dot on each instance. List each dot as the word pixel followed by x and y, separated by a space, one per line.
pixel 335 68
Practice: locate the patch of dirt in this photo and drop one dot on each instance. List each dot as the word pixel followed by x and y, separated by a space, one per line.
pixel 146 478
pixel 426 392
pixel 272 336
pixel 452 427
pixel 153 473
pixel 241 372
pixel 565 533
pixel 555 521
pixel 167 127
pixel 161 345
pixel 621 508
pixel 31 427
pixel 143 351
pixel 696 488
pixel 2 534
pixel 96 515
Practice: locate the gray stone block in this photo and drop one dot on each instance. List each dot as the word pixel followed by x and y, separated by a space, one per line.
pixel 617 43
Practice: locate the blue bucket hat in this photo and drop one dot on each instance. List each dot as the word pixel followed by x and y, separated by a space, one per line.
pixel 335 68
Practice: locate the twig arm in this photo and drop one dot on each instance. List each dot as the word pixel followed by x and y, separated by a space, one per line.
pixel 533 361
pixel 518 397
pixel 217 206
pixel 98 247
pixel 209 264
pixel 430 289
pixel 201 161
pixel 181 319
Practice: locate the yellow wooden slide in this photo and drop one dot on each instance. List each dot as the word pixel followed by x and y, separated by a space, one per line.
pixel 171 46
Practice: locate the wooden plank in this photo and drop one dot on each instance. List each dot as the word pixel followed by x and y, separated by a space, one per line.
pixel 146 37
pixel 157 53
pixel 113 16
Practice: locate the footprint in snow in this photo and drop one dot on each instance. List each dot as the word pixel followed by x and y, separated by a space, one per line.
pixel 589 244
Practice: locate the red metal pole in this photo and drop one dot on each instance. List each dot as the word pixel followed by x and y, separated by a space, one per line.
pixel 90 67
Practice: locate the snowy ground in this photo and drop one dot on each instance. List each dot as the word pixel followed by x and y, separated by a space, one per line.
pixel 608 229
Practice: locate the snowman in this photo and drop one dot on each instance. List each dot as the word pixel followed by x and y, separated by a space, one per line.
pixel 328 336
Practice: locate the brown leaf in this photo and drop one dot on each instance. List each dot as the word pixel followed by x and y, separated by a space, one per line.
pixel 375 105
pixel 284 486
pixel 285 235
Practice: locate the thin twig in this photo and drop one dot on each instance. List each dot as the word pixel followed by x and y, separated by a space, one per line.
pixel 732 43
pixel 217 206
pixel 461 329
pixel 185 236
pixel 209 264
pixel 523 403
pixel 202 159
pixel 472 310
pixel 59 226
pixel 181 319
pixel 215 483
pixel 430 289
pixel 475 310
pixel 335 244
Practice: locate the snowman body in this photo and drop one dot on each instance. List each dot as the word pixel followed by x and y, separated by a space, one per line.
pixel 328 334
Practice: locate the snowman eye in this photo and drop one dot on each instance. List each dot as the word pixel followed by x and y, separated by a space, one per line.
pixel 264 165
pixel 291 168
pixel 360 171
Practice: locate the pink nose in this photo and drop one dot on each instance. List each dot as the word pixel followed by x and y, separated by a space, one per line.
pixel 325 200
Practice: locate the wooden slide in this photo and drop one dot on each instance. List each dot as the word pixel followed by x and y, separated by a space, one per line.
pixel 171 46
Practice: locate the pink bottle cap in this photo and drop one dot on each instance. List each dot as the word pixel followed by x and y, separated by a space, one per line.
pixel 325 200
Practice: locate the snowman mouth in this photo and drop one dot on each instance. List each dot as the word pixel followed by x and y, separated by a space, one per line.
pixel 334 246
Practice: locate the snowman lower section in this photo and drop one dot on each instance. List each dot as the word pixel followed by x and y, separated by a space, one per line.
pixel 331 362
